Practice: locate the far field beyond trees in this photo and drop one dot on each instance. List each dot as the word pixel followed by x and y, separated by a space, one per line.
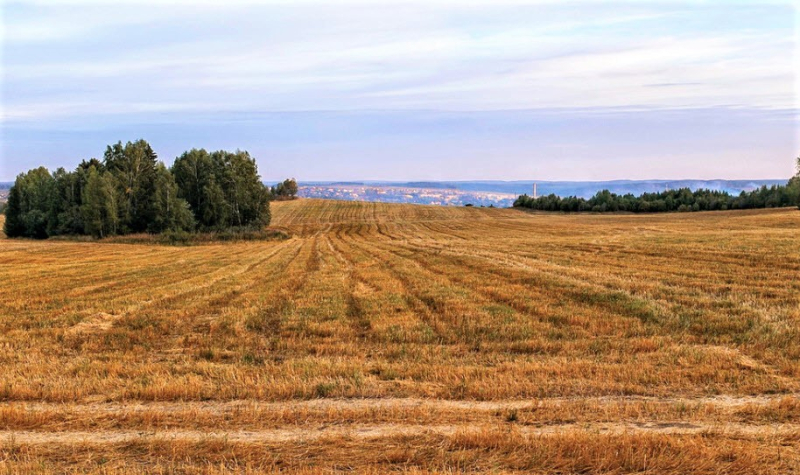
pixel 131 191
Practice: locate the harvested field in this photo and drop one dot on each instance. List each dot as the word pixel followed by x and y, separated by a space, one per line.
pixel 410 338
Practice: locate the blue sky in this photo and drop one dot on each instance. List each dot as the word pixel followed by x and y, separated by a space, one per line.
pixel 445 90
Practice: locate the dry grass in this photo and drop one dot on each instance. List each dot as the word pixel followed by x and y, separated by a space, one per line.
pixel 523 342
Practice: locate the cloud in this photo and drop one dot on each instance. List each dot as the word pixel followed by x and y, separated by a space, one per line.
pixel 253 57
pixel 79 66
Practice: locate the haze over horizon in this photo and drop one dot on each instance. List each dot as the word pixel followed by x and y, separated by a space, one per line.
pixel 443 90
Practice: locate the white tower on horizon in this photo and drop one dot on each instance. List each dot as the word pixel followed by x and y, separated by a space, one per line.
pixel 535 194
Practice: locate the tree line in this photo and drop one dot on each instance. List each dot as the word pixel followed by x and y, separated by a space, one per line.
pixel 131 191
pixel 672 200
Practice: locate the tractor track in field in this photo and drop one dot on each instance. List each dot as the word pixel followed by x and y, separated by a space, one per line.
pixel 369 404
pixel 83 424
pixel 379 431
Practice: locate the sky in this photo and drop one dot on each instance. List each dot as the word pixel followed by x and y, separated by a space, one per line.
pixel 410 90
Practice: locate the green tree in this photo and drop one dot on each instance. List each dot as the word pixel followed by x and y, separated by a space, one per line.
pixel 195 176
pixel 39 197
pixel 133 167
pixel 65 209
pixel 99 208
pixel 222 188
pixel 170 213
pixel 246 196
pixel 30 200
pixel 287 189
pixel 215 209
pixel 290 185
pixel 793 187
pixel 14 226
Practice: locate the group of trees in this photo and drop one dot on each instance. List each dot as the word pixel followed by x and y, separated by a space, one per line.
pixel 131 191
pixel 672 200
pixel 286 190
pixel 223 189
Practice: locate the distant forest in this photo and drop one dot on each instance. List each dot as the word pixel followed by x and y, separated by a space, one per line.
pixel 671 200
pixel 131 191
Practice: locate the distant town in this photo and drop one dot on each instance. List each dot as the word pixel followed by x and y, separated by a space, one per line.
pixel 503 193
pixel 400 194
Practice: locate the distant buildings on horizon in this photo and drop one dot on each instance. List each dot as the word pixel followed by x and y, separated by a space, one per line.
pixel 503 194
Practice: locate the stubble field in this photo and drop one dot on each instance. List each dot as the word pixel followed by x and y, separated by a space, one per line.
pixel 410 338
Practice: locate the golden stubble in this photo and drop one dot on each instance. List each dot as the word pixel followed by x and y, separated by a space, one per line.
pixel 418 338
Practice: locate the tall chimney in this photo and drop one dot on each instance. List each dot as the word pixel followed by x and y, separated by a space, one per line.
pixel 535 194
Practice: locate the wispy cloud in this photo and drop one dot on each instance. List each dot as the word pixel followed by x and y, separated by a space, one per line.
pixel 409 57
